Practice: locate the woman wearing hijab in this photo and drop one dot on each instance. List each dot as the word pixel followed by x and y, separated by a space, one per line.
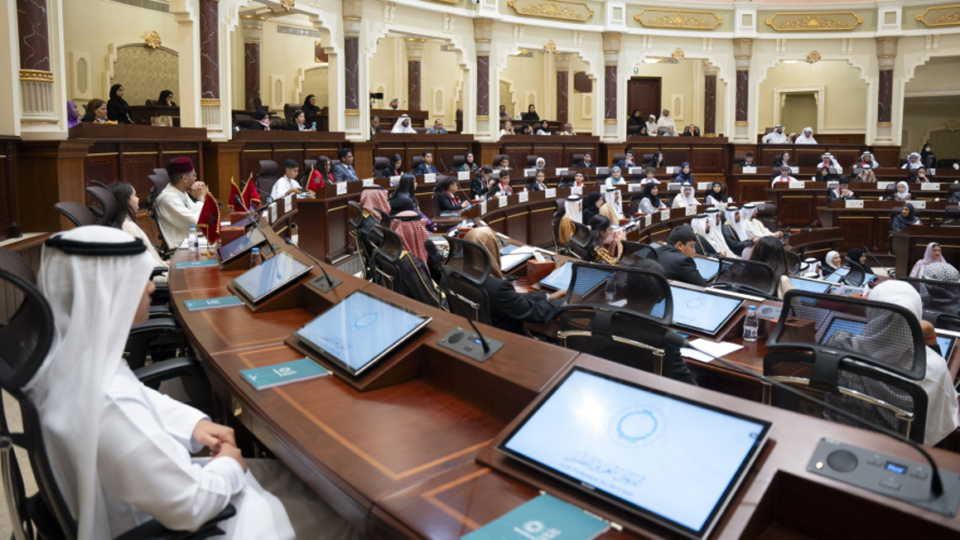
pixel 573 213
pixel 933 254
pixel 831 263
pixel 913 161
pixel 541 164
pixel 310 106
pixel 416 265
pixel 876 342
pixel 600 232
pixel 635 123
pixel 121 451
pixel 686 197
pixel 770 251
pixel 73 115
pixel 117 108
pixel 925 155
pixel 652 126
pixel 591 207
pixel 470 164
pixel 166 99
pixel 734 231
pixel 650 203
pixel 642 132
pixel 544 128
pixel 902 193
pixel 858 256
pixel 907 217
pixel 718 194
pixel 615 178
pixel 937 297
pixel 701 231
pixel 403 125
pixel 508 308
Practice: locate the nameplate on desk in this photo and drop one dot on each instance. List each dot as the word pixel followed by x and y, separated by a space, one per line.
pixel 287 203
pixel 430 178
pixel 212 303
pixel 919 205
pixel 367 182
pixel 529 173
pixel 749 170
pixel 795 170
pixel 721 206
pixel 854 204
pixel 394 180
pixel 551 193
pixel 704 186
pixel 560 170
pixel 463 175
pixel 831 185
pixel 636 170
pixel 524 196
pixel 648 220
pixel 542 518
pixel 883 185
pixel 576 190
pixel 273 211
pixel 483 208
pixel 285 373
pixel 929 186
pixel 691 210
pixel 603 170
pixel 665 214
pixel 342 188
pixel 670 170
pixel 195 264
pixel 635 187
pixel 673 185
pixel 503 201
pixel 796 184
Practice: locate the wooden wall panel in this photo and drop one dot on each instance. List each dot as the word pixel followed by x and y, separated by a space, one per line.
pixel 9 221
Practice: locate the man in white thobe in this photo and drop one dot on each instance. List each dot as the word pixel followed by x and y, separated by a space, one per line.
pixel 666 121
pixel 176 211
pixel 806 137
pixel 777 136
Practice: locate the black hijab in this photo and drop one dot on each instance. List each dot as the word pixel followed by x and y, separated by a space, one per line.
pixel 117 106
pixel 309 109
pixel 654 200
pixel 163 99
pixel 719 197
pixel 924 153
pixel 590 209
pixel 635 120
pixel 855 255
pixel 900 223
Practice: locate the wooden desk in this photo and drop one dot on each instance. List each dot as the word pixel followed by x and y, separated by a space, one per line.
pixel 808 155
pixel 815 243
pixel 703 153
pixel 141 115
pixel 556 150
pixel 909 245
pixel 870 225
pixel 444 148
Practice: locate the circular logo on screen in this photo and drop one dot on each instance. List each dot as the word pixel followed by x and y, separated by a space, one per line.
pixel 366 320
pixel 694 303
pixel 637 426
pixel 533 527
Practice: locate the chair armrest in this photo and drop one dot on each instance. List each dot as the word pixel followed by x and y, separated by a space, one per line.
pixel 153 530
pixel 158 271
pixel 155 326
pixel 158 372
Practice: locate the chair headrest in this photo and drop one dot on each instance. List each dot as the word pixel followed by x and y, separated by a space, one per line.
pixel 380 162
pixel 268 169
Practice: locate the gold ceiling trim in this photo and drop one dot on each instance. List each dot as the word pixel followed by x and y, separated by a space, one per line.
pixel 153 40
pixel 951 18
pixel 813 57
pixel 36 75
pixel 683 20
pixel 814 22
pixel 552 9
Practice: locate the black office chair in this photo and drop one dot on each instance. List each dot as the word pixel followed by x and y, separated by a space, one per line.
pixel 458 162
pixel 464 272
pixel 578 245
pixel 415 162
pixel 160 183
pixel 267 177
pixel 387 254
pixel 395 268
pixel 108 204
pixel 162 173
pixel 794 263
pixel 99 184
pixel 746 277
pixel 360 237
pixel 857 274
pixel 79 214
pixel 889 192
pixel 951 216
pixel 380 167
pixel 864 357
pixel 636 251
pixel 25 340
pixel 498 158
pixel 937 296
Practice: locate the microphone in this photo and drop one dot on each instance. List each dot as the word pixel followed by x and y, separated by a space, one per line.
pixel 325 285
pixel 867 251
pixel 239 201
pixel 483 341
pixel 936 486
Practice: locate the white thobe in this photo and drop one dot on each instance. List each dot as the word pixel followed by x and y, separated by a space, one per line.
pixel 782 179
pixel 652 129
pixel 910 165
pixel 176 212
pixel 756 229
pixel 146 472
pixel 803 139
pixel 666 121
pixel 282 186
pixel 775 138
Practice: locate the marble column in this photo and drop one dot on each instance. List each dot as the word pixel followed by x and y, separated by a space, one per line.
pixel 611 57
pixel 562 62
pixel 352 13
pixel 482 34
pixel 414 56
pixel 742 52
pixel 710 102
pixel 36 76
pixel 252 39
pixel 886 57
pixel 210 63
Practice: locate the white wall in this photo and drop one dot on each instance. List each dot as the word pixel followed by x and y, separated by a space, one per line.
pixel 844 99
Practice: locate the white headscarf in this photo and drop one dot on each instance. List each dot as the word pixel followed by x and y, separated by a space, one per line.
pixel 902 196
pixel 739 228
pixel 541 163
pixel 911 165
pixel 804 138
pixel 873 160
pixel 572 207
pixel 612 197
pixel 93 300
pixel 699 226
pixel 829 258
pixel 398 126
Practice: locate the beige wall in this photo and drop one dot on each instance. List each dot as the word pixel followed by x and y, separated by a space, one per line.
pixel 938 74
pixel 845 95
pixel 681 86
pixel 581 106
pixel 921 116
pixel 281 58
pixel 526 79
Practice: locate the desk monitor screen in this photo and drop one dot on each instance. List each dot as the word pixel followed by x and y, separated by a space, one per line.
pixel 271 276
pixel 708 268
pixel 588 279
pixel 243 222
pixel 853 327
pixel 674 461
pixel 946 343
pixel 810 285
pixel 509 262
pixel 253 238
pixel 362 329
pixel 702 311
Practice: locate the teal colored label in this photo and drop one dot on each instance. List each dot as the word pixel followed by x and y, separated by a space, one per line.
pixel 196 264
pixel 543 518
pixel 287 372
pixel 212 303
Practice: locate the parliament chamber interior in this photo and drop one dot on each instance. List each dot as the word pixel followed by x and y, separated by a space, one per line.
pixel 487 269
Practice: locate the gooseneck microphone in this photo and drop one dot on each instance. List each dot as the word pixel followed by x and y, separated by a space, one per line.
pixel 879 265
pixel 936 486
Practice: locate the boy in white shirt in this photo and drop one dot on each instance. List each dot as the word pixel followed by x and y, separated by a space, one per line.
pixel 287 184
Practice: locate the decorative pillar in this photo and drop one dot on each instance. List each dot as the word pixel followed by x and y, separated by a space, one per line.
pixel 482 34
pixel 710 102
pixel 886 57
pixel 210 64
pixel 352 12
pixel 611 57
pixel 414 55
pixel 742 51
pixel 252 38
pixel 562 61
pixel 37 103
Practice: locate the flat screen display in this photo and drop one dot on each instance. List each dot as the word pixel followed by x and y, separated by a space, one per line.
pixel 842 272
pixel 702 311
pixel 243 222
pixel 357 332
pixel 853 327
pixel 668 459
pixel 270 277
pixel 946 344
pixel 809 285
pixel 253 238
pixel 588 279
pixel 708 268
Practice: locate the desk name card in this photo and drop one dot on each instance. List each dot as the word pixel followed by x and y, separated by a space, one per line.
pixel 795 170
pixel 287 204
pixel 796 184
pixel 704 186
pixel 273 211
pixel 367 182
pixel 883 185
pixel 635 187
pixel 524 196
pixel 665 214
pixel 430 178
pixel 394 180
pixel 195 264
pixel 670 170
pixel 691 210
pixel 483 208
pixel 749 170
pixel 212 303
pixel 603 170
pixel 919 205
pixel 576 190
pixel 648 220
pixel 463 175
pixel 561 170
pixel 636 170
pixel 503 201
pixel 342 188
pixel 930 186
pixel 529 173
pixel 551 193
pixel 853 204
pixel 673 185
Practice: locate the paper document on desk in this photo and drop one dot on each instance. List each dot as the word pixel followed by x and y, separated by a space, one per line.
pixel 717 349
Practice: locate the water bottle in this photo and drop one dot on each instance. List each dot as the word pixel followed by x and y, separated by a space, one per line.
pixel 255 258
pixel 610 290
pixel 192 241
pixel 269 201
pixel 751 325
pixel 295 234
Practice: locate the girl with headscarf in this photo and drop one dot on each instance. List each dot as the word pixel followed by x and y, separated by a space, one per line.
pixel 573 213
pixel 717 194
pixel 685 175
pixel 831 263
pixel 166 99
pixel 701 232
pixel 806 137
pixel 403 125
pixel 544 128
pixel 508 308
pixel 615 178
pixel 310 106
pixel 417 267
pixel 753 226
pixel 541 164
pixel 686 197
pixel 373 201
pixel 117 108
pixel 925 154
pixel 858 256
pixel 591 207
pixel 719 243
pixel 902 193
pixel 120 451
pixel 470 164
pixel 634 123
pixel 73 115
pixel 650 203
pixel 601 233
pixel 933 254
pixel 642 132
pixel 652 126
pixel 907 217
pixel 734 231
pixel 913 161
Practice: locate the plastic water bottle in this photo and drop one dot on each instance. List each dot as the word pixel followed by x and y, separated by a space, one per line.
pixel 295 234
pixel 751 325
pixel 255 258
pixel 610 290
pixel 192 241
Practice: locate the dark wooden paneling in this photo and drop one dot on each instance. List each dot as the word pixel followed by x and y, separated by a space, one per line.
pixel 797 209
pixel 858 231
pixel 517 225
pixel 9 221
